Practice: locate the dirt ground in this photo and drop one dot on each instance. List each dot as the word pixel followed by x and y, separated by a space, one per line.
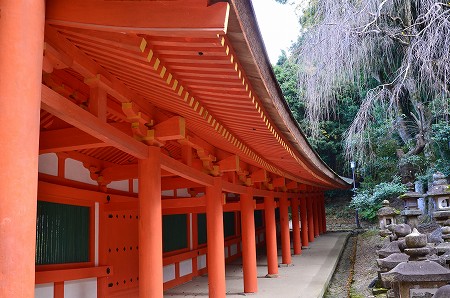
pixel 357 267
pixel 365 267
pixel 341 280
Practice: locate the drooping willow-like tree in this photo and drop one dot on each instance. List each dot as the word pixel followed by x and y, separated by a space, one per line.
pixel 397 49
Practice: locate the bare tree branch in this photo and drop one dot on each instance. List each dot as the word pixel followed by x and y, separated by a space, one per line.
pixel 403 44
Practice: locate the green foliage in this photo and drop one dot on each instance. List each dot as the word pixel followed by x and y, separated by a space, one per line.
pixel 339 211
pixel 438 165
pixel 286 73
pixel 382 136
pixel 368 200
pixel 437 158
pixel 328 144
pixel 308 17
pixel 440 134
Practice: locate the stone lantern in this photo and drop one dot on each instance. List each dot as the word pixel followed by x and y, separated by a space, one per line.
pixel 442 292
pixel 443 249
pixel 397 240
pixel 388 263
pixel 386 216
pixel 417 277
pixel 391 248
pixel 440 194
pixel 411 211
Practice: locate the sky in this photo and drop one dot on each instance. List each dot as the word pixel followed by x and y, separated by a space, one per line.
pixel 278 24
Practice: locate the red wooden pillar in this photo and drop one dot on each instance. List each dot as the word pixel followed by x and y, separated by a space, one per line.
pixel 316 215
pixel 271 236
pixel 324 217
pixel 21 44
pixel 309 201
pixel 304 219
pixel 58 289
pixel 295 226
pixel 150 226
pixel 284 222
pixel 248 242
pixel 215 253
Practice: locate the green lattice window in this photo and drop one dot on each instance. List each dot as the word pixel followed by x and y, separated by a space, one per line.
pixel 175 235
pixel 201 228
pixel 62 233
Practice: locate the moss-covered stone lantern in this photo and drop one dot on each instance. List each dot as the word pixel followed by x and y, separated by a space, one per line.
pixel 411 211
pixel 386 216
pixel 440 194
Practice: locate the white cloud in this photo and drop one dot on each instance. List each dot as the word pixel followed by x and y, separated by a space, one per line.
pixel 278 24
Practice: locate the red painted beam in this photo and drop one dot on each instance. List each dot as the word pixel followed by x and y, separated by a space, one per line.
pixel 43 277
pixel 185 171
pixel 183 203
pixel 68 139
pixel 64 109
pixel 149 17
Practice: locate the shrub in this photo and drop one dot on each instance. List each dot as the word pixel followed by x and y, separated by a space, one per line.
pixel 368 201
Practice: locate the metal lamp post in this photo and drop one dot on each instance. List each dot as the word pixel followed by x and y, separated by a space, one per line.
pixel 353 166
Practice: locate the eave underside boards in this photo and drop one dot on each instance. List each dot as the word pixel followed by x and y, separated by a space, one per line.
pixel 215 81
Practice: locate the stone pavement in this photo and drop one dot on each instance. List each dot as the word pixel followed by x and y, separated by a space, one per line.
pixel 307 278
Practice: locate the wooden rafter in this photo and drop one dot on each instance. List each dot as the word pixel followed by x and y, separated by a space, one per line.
pixel 91 71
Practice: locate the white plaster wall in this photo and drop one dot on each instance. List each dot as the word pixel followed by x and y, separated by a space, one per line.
pixel 169 272
pixel 183 193
pixel 74 170
pixel 82 288
pixel 48 164
pixel 168 193
pixel 119 185
pixel 43 291
pixel 186 267
pixel 135 185
pixel 233 249
pixel 201 261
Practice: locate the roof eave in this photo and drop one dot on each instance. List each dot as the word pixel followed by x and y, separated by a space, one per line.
pixel 268 89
